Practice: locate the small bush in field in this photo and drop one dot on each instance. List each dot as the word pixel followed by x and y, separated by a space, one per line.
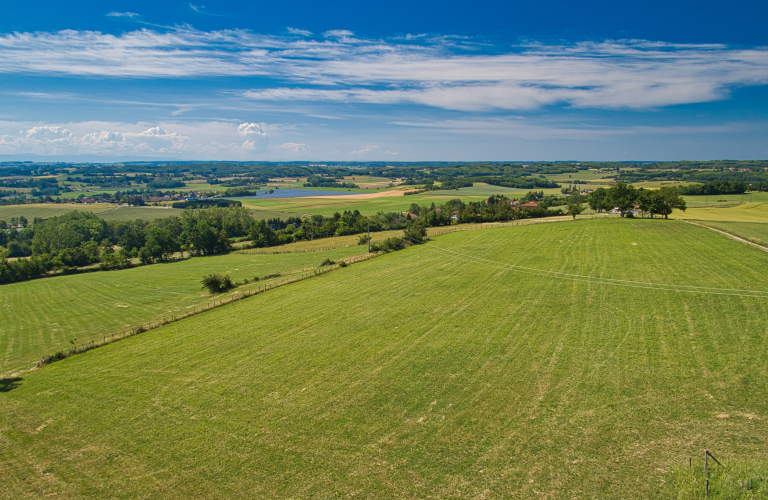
pixel 217 283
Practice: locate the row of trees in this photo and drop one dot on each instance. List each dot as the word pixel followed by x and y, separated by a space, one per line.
pixel 714 188
pixel 319 181
pixel 626 198
pixel 79 239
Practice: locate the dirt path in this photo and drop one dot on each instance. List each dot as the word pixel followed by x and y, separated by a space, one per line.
pixel 729 235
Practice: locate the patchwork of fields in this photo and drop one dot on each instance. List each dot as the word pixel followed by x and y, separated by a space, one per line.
pixel 570 360
pixel 328 206
pixel 112 212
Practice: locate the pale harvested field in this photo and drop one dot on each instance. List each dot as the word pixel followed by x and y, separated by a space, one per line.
pixel 361 196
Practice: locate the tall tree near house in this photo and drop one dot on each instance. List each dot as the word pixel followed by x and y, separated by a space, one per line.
pixel 598 200
pixel 668 199
pixel 623 196
pixel 646 201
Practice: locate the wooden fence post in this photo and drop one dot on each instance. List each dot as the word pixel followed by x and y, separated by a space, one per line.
pixel 706 471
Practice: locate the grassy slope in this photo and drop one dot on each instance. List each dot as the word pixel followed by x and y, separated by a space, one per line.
pixel 41 316
pixel 133 213
pixel 420 374
pixel 748 212
pixel 756 232
pixel 47 210
pixel 748 221
pixel 89 306
pixel 714 201
pixel 109 212
pixel 327 207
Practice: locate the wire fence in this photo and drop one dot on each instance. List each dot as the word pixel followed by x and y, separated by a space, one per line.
pixel 237 296
pixel 436 231
pixel 520 222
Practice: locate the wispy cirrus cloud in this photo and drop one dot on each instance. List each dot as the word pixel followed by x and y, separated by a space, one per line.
pixel 292 147
pixel 342 34
pixel 437 72
pixel 200 9
pixel 370 148
pixel 546 130
pixel 129 15
pixel 296 31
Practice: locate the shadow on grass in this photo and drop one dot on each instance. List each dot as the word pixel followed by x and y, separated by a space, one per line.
pixel 9 384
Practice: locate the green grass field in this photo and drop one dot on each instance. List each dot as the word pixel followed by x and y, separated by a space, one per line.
pixel 756 232
pixel 146 213
pixel 715 201
pixel 40 317
pixel 661 184
pixel 367 181
pixel 111 212
pixel 48 210
pixel 369 206
pixel 748 212
pixel 463 368
pixel 592 177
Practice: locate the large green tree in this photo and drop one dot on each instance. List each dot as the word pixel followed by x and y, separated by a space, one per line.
pixel 262 235
pixel 598 200
pixel 574 209
pixel 623 197
pixel 160 245
pixel 668 199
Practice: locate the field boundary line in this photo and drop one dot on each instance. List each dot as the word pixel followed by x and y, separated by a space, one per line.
pixel 110 210
pixel 439 231
pixel 237 296
pixel 762 294
pixel 726 233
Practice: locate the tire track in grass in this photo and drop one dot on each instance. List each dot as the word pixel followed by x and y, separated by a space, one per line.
pixel 760 294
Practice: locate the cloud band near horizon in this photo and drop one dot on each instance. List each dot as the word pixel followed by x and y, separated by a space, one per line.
pixel 435 71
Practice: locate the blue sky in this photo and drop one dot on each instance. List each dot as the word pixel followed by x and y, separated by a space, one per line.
pixel 392 81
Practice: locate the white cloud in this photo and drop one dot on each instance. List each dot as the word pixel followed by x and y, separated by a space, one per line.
pixel 432 72
pixel 215 140
pixel 338 34
pixel 200 9
pixel 250 129
pixel 542 130
pixel 296 31
pixel 48 133
pixel 292 147
pixel 365 150
pixel 129 15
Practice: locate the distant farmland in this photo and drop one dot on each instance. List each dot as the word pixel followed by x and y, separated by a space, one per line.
pixel 47 210
pixel 589 359
pixel 111 212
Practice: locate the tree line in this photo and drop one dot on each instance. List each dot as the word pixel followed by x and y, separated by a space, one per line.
pixel 79 239
pixel 626 198
pixel 714 187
